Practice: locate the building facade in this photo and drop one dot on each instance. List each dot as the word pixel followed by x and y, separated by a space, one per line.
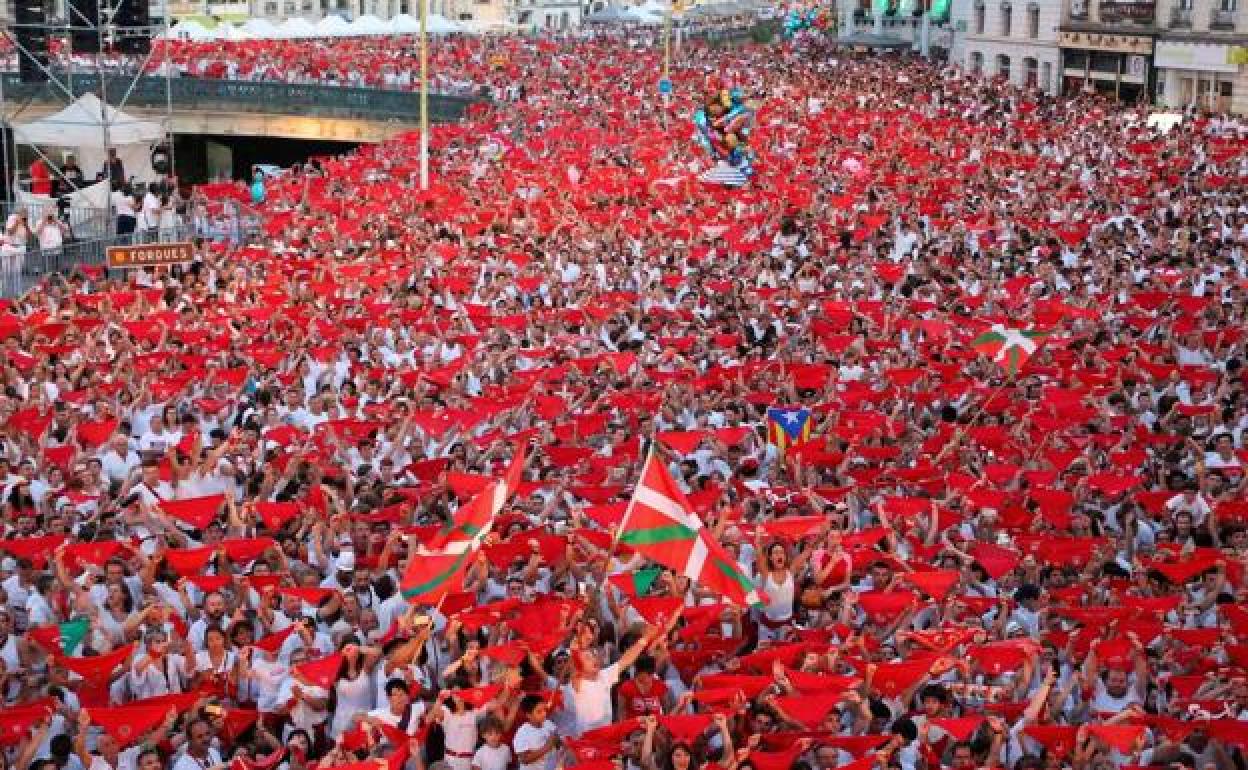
pixel 1196 55
pixel 1013 39
pixel 1107 47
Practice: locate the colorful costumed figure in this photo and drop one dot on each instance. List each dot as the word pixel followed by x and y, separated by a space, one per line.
pixel 722 126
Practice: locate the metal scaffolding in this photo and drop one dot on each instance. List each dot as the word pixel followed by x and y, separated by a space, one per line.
pixel 64 64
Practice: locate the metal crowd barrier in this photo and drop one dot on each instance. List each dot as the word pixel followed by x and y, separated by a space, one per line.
pixel 20 273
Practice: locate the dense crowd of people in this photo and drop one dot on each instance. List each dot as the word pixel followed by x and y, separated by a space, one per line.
pixel 216 475
pixel 457 64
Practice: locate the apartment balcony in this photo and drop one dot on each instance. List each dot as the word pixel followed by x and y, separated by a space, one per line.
pixel 1180 18
pixel 1222 20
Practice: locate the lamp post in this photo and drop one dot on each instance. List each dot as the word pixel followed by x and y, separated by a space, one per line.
pixel 424 94
pixel 667 40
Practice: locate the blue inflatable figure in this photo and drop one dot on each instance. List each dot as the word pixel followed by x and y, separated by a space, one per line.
pixel 257 188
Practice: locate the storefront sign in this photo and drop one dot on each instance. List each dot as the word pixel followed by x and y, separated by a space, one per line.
pixel 1198 57
pixel 151 254
pixel 1105 41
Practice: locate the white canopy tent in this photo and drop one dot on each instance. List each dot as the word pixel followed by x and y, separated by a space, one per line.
pixel 645 16
pixel 369 25
pixel 79 129
pixel 191 30
pixel 438 24
pixel 296 27
pixel 330 26
pixel 232 32
pixel 406 24
pixel 261 29
pixel 333 26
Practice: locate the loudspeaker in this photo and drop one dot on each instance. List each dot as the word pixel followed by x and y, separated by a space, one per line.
pixel 84 20
pixel 134 26
pixel 30 18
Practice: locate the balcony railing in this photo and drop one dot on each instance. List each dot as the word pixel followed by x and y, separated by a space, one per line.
pixel 1181 17
pixel 1222 20
pixel 327 101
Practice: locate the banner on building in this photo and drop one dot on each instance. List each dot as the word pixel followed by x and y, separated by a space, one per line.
pixel 1128 10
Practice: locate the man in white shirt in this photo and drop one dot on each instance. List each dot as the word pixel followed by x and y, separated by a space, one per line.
pixel 159 437
pixel 199 754
pixel 20 585
pixel 39 611
pixel 589 699
pixel 1191 501
pixel 536 742
pixel 152 207
pixel 118 460
pixel 213 616
pixel 398 712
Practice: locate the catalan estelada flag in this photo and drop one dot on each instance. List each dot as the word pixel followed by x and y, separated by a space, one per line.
pixel 788 426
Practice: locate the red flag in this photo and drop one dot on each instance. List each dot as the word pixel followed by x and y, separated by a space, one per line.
pixel 275 515
pixel 313 595
pixel 810 710
pixel 17 723
pixel 128 724
pixel 1058 739
pixel 893 679
pixel 321 672
pixel 811 684
pixel 775 760
pixel 36 549
pixel 195 512
pixel 247 550
pixel 995 560
pixel 189 561
pixel 657 609
pixel 273 642
pixel 97 666
pixel 1123 738
pixel 961 728
pixel 935 583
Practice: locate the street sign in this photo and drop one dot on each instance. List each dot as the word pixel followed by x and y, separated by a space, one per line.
pixel 151 254
pixel 665 86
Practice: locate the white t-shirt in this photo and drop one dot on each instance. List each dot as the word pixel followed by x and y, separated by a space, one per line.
pixel 492 758
pixel 530 738
pixel 123 204
pixel 151 210
pixel 305 716
pixel 1197 507
pixel 461 730
pixel 187 762
pixel 163 677
pixel 128 759
pixel 50 236
pixel 388 717
pixel 38 611
pixel 590 704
